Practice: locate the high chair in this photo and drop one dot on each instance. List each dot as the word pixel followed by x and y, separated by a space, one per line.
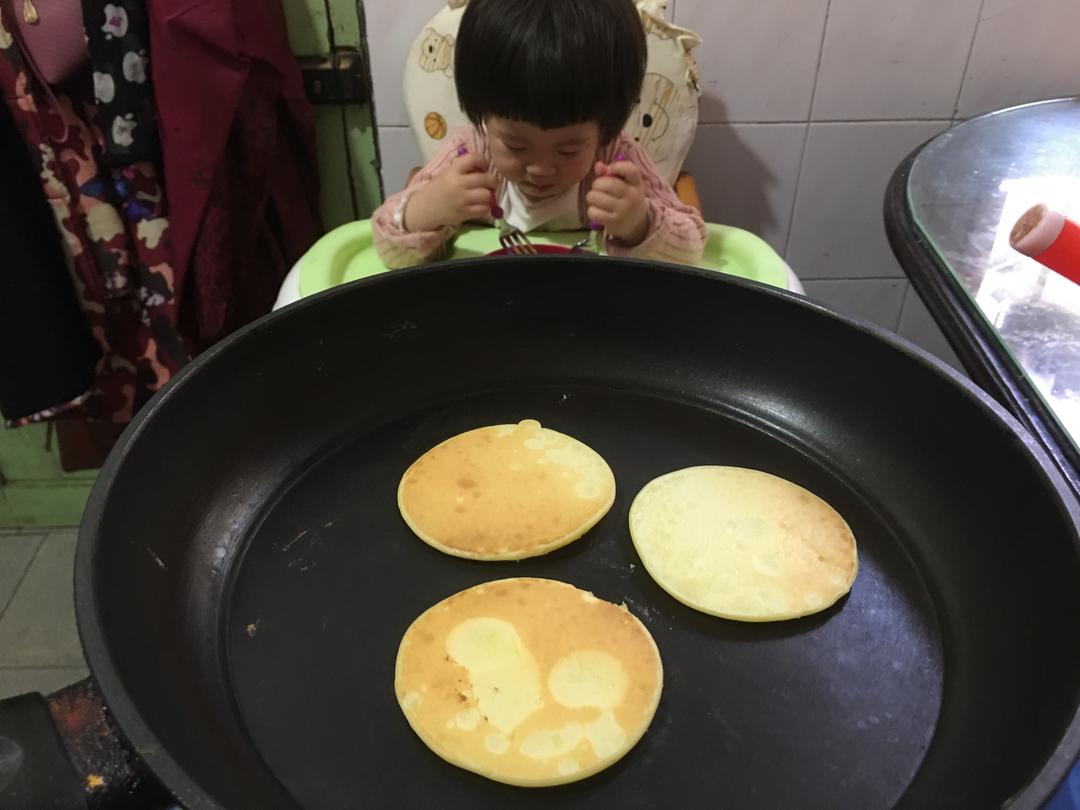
pixel 663 122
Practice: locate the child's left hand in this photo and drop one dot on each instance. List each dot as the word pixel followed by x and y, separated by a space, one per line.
pixel 617 201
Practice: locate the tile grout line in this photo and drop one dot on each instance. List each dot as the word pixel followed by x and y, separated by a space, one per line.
pixel 900 311
pixel 967 60
pixel 806 132
pixel 22 577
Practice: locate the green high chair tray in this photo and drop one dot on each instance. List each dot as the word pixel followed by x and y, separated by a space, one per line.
pixel 347 253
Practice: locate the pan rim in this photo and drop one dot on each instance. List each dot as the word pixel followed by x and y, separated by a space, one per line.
pixel 187 789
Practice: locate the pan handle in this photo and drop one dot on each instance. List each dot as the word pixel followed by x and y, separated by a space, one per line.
pixel 64 752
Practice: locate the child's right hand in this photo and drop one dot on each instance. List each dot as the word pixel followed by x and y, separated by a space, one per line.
pixel 462 191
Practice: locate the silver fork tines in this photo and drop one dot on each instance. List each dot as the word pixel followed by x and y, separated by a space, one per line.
pixel 511 238
pixel 516 242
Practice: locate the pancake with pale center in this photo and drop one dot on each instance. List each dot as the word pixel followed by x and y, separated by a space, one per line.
pixel 505 492
pixel 531 682
pixel 742 544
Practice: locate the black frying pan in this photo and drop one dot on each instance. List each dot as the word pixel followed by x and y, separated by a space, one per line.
pixel 244 577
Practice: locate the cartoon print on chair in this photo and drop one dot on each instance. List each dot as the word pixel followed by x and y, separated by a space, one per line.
pixel 435 126
pixel 649 121
pixel 437 52
pixel 659 29
pixel 656 24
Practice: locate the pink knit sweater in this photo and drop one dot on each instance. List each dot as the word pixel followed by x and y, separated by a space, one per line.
pixel 676 231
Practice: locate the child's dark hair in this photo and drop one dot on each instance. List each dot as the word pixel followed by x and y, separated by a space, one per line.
pixel 552 63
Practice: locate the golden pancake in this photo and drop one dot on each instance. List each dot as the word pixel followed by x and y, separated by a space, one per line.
pixel 526 681
pixel 505 492
pixel 742 544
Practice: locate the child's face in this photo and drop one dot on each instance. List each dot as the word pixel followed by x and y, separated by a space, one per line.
pixel 542 162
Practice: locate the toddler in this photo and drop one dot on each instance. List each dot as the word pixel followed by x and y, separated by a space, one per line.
pixel 547 86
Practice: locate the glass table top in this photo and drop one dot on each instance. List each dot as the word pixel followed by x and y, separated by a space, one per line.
pixel 966 189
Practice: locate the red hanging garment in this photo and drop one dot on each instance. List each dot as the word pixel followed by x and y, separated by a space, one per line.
pixel 238 144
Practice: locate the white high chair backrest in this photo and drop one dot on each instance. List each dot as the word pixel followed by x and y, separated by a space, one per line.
pixel 664 120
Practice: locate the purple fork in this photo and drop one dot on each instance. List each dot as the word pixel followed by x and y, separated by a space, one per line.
pixel 512 239
pixel 593 236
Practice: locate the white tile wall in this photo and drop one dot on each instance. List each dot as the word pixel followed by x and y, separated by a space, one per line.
pixel 887 74
pixel 748 174
pixel 1024 50
pixel 876 300
pixel 775 43
pixel 399 154
pixel 887 60
pixel 392 25
pixel 918 326
pixel 838 228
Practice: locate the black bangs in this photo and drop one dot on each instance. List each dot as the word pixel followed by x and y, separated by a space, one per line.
pixel 551 63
